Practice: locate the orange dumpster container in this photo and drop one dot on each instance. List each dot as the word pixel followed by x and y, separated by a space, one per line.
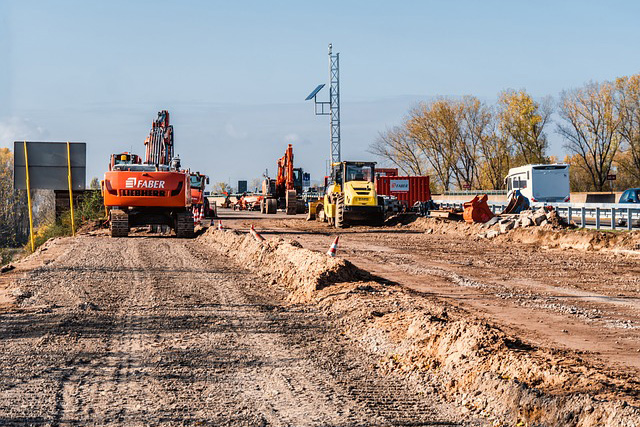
pixel 477 210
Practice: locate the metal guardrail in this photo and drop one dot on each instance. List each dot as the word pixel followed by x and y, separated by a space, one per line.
pixel 475 192
pixel 612 216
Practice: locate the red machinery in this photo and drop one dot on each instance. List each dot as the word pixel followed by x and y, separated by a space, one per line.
pixel 386 172
pixel 156 192
pixel 477 210
pixel 248 203
pixel 408 189
pixel 199 202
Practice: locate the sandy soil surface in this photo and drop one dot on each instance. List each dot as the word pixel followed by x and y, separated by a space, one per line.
pixel 584 301
pixel 161 331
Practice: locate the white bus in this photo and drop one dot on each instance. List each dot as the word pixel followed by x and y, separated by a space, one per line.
pixel 540 183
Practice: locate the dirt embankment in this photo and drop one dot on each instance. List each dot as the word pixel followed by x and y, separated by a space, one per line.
pixel 544 236
pixel 440 347
pixel 303 271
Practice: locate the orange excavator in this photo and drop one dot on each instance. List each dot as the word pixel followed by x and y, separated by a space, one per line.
pixel 154 192
pixel 283 192
pixel 200 203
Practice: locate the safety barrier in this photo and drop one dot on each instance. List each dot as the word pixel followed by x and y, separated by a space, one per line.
pixel 611 216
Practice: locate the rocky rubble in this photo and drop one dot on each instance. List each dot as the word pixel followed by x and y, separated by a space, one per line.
pixel 530 218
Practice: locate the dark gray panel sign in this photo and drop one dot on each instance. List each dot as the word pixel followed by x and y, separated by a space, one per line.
pixel 48 165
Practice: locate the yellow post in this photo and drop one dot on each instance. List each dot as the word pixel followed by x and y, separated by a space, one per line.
pixel 73 224
pixel 26 165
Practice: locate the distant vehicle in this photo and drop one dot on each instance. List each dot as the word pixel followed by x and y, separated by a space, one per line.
pixel 540 183
pixel 632 195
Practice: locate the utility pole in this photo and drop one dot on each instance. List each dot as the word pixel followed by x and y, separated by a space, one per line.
pixel 332 107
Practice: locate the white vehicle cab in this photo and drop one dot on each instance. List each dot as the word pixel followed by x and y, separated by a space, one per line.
pixel 540 183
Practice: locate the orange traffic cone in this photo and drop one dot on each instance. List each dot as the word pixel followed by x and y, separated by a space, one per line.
pixel 334 247
pixel 201 214
pixel 256 235
pixel 220 226
pixel 195 215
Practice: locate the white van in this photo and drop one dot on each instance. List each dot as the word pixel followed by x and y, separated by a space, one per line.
pixel 540 183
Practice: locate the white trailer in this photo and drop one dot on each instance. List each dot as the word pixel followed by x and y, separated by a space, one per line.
pixel 540 183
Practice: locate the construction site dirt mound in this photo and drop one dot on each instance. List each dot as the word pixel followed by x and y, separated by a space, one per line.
pixel 441 347
pixel 444 226
pixel 546 236
pixel 590 240
pixel 303 271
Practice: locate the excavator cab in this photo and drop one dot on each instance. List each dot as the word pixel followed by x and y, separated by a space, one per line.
pixel 198 180
pixel 297 180
pixel 124 159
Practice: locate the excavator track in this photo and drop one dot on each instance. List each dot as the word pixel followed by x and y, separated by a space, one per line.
pixel 119 223
pixel 184 225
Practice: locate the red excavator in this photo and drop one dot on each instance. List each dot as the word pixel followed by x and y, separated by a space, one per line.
pixel 156 192
pixel 199 203
pixel 285 191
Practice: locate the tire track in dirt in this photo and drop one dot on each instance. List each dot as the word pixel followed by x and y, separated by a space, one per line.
pixel 338 383
pixel 159 331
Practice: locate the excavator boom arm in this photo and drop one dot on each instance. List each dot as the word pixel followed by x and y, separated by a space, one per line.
pixel 159 143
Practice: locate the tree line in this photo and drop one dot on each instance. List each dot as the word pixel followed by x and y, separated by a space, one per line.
pixel 466 143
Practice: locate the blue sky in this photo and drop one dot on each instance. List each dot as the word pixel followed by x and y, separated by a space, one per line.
pixel 234 75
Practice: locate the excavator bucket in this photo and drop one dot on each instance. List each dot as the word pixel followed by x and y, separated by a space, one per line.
pixel 477 210
pixel 517 203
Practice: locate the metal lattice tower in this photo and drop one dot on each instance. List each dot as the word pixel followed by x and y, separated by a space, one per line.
pixel 332 107
pixel 334 101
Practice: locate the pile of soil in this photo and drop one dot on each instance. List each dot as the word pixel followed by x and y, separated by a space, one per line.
pixel 301 270
pixel 445 226
pixel 549 236
pixel 474 363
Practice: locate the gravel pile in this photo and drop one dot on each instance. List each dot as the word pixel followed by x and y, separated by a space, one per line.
pixel 541 217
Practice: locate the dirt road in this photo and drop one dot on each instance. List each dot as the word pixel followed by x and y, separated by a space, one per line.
pixel 162 331
pixel 584 301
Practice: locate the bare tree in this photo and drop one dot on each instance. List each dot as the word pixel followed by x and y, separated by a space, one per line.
pixel 522 122
pixel 396 146
pixel 256 184
pixel 475 119
pixel 495 159
pixel 628 105
pixel 221 188
pixel 591 128
pixel 436 131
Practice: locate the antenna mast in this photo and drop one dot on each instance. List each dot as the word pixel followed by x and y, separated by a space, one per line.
pixel 334 100
pixel 332 107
